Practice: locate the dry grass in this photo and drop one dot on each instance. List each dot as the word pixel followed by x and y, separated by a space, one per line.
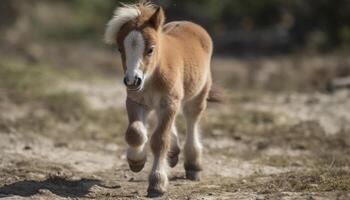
pixel 21 83
pixel 49 110
pixel 317 180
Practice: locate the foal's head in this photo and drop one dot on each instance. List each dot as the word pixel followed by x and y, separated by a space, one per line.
pixel 136 29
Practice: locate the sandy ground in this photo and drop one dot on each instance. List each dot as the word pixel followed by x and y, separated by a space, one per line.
pixel 255 146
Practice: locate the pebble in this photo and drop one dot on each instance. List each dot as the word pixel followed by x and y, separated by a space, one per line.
pixel 27 148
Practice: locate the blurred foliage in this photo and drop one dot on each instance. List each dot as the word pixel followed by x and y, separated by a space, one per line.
pixel 8 13
pixel 319 25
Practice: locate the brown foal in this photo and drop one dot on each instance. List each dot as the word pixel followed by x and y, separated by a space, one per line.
pixel 167 68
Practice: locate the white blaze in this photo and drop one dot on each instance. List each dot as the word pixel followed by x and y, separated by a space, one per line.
pixel 134 45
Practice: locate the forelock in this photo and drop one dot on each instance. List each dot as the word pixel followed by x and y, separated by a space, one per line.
pixel 124 14
pixel 121 16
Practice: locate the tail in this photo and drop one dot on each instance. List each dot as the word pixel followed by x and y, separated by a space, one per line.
pixel 216 95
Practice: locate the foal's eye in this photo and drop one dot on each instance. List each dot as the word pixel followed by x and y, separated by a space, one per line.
pixel 150 51
pixel 119 49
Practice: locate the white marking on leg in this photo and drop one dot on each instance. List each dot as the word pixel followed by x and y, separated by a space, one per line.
pixel 160 171
pixel 173 129
pixel 193 147
pixel 138 153
pixel 192 137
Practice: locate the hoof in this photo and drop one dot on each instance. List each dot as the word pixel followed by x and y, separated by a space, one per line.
pixel 136 166
pixel 193 175
pixel 153 193
pixel 173 159
pixel 173 156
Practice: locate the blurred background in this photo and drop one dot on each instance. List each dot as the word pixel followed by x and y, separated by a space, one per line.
pixel 249 30
pixel 238 27
pixel 284 66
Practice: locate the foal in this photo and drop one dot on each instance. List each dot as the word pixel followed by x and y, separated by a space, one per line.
pixel 167 67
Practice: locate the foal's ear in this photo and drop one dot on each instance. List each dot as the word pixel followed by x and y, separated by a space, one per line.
pixel 157 19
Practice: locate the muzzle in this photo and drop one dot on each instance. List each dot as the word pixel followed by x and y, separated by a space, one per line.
pixel 134 83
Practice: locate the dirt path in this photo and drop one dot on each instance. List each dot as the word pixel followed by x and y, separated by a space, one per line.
pixel 239 163
pixel 45 169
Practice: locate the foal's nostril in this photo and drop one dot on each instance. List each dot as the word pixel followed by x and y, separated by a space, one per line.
pixel 138 81
pixel 126 80
pixel 134 84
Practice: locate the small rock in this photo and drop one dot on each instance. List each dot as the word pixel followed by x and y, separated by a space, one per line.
pixel 60 144
pixel 299 147
pixel 44 191
pixel 26 148
pixel 312 100
pixel 262 145
pixel 237 137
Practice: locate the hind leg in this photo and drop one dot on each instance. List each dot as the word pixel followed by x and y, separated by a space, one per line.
pixel 136 135
pixel 173 154
pixel 193 111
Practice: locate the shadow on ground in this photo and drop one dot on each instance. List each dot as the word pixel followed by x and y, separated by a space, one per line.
pixel 57 185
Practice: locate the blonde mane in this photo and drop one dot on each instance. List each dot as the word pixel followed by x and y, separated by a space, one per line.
pixel 122 15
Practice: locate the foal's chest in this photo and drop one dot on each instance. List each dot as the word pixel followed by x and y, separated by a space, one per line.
pixel 147 98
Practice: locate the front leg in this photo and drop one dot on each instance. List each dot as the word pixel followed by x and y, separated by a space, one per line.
pixel 136 135
pixel 160 145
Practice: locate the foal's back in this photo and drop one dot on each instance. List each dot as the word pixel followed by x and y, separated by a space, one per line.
pixel 189 33
pixel 193 47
